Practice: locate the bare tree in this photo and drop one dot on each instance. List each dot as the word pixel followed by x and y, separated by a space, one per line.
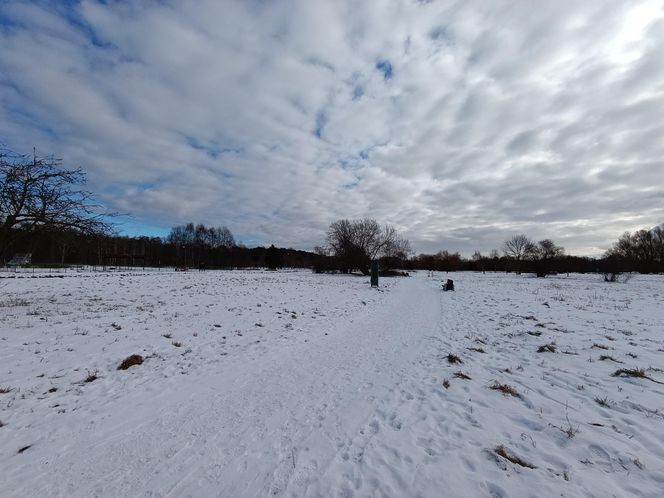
pixel 643 250
pixel 658 238
pixel 542 254
pixel 36 192
pixel 396 247
pixel 223 237
pixel 357 242
pixel 518 248
pixel 200 235
pixel 546 249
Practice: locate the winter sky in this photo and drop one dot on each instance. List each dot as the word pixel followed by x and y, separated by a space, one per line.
pixel 461 123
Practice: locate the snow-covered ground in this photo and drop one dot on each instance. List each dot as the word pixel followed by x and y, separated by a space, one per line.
pixel 295 384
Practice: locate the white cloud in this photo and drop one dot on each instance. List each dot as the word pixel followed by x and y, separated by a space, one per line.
pixel 275 118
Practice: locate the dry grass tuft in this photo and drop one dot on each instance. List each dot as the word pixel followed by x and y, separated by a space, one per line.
pixel 505 389
pixel 92 376
pixel 569 430
pixel 477 350
pixel 503 452
pixel 130 361
pixel 604 402
pixel 452 358
pixel 461 375
pixel 639 373
pixel 630 372
pixel 11 303
pixel 5 390
pixel 547 348
pixel 606 357
pixel 177 344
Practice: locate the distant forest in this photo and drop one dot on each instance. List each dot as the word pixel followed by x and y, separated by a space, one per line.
pixel 638 252
pixel 45 212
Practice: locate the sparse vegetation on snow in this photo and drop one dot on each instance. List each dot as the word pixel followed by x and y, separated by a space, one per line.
pixel 252 383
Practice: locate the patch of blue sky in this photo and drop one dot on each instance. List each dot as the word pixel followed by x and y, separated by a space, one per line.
pixel 350 184
pixel 441 35
pixel 135 228
pixel 114 189
pixel 352 162
pixel 212 149
pixel 21 117
pixel 250 240
pixel 385 67
pixel 366 152
pixel 438 33
pixel 68 10
pixel 146 185
pixel 358 92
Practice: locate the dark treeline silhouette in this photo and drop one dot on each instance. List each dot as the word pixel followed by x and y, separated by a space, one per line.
pixel 49 247
pixel 445 261
pixel 642 251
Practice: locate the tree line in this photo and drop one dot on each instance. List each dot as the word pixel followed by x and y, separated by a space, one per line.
pixel 641 251
pixel 45 211
pixel 66 248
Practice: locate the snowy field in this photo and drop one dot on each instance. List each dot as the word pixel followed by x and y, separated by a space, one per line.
pixel 295 384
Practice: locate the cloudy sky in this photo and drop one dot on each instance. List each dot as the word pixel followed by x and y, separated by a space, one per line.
pixel 461 123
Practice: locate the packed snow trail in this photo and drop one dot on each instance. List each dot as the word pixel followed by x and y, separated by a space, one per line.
pixel 269 425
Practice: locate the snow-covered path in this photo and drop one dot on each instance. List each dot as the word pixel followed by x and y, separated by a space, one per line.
pixel 261 425
pixel 294 384
pixel 274 422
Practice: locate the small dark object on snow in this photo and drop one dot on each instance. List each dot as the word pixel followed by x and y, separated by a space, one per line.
pixel 449 285
pixel 452 358
pixel 508 455
pixel 130 361
pixel 374 273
